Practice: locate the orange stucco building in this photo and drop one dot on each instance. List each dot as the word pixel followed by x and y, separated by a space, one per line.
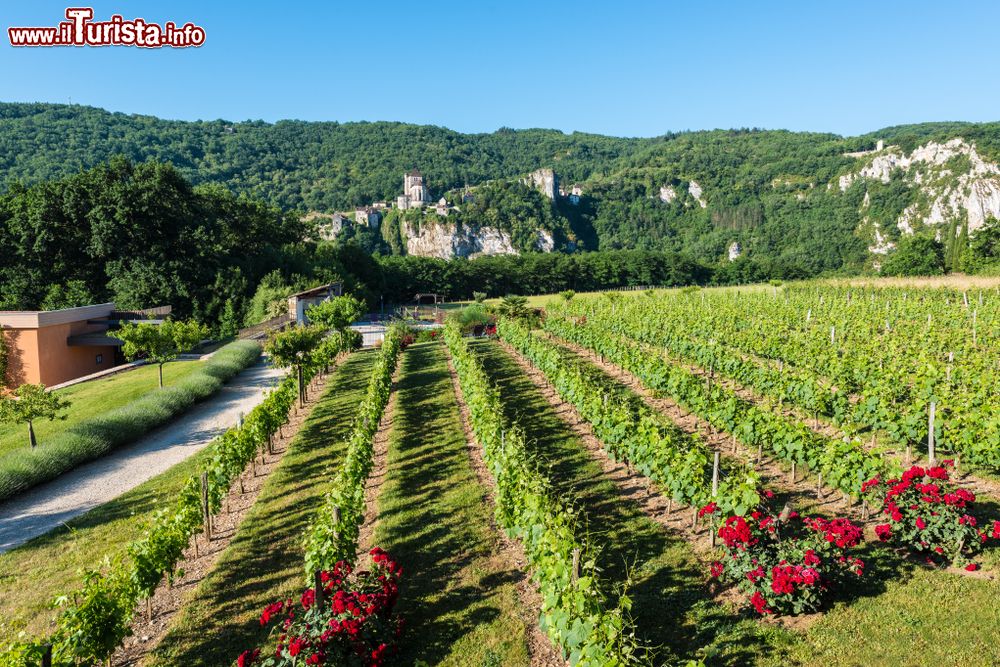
pixel 52 347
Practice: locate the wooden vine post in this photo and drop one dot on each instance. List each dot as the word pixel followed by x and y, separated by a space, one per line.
pixel 715 493
pixel 576 564
pixel 204 506
pixel 318 582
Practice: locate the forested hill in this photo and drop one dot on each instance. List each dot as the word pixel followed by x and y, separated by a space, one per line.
pixel 797 203
pixel 322 166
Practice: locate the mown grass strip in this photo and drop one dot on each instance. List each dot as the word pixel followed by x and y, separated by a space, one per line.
pixel 264 561
pixel 459 598
pixel 34 573
pixel 97 427
pixel 671 605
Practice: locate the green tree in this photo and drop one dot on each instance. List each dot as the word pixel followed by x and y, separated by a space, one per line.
pixel 159 343
pixel 337 313
pixel 984 247
pixel 28 403
pixel 513 306
pixel 291 349
pixel 479 297
pixel 567 295
pixel 917 255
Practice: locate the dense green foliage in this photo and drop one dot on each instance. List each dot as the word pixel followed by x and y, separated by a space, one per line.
pixel 92 438
pixel 138 235
pixel 218 232
pixel 292 164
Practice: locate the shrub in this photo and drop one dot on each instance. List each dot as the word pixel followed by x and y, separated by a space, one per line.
pixel 928 514
pixel 355 625
pixel 22 469
pixel 786 563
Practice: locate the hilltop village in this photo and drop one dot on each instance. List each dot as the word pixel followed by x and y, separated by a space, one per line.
pixel 417 195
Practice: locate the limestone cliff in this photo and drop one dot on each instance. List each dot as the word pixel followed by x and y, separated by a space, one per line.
pixel 953 184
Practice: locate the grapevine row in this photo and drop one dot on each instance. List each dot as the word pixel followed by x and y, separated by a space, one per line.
pixel 632 432
pixel 576 614
pixel 96 619
pixel 844 463
pixel 333 533
pixel 896 366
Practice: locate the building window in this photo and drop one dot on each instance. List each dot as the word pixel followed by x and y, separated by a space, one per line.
pixel 100 359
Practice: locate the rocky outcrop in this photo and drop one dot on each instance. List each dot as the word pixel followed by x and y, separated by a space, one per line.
pixel 436 239
pixel 695 191
pixel 954 183
pixel 735 250
pixel 667 194
pixel 544 180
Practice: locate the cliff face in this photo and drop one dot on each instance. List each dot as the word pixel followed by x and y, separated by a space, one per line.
pixel 952 183
pixel 436 239
pixel 449 240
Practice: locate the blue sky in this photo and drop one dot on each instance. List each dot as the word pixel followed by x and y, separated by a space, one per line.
pixel 621 68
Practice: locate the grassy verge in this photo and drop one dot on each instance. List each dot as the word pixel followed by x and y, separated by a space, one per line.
pixel 459 598
pixel 109 413
pixel 49 565
pixel 90 399
pixel 263 563
pixel 672 608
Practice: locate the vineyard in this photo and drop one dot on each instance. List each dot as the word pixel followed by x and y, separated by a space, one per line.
pixel 784 475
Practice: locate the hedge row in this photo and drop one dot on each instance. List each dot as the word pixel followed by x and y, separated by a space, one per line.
pixel 90 439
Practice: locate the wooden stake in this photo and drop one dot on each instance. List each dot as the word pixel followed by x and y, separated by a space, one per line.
pixel 318 583
pixel 715 476
pixel 793 472
pixel 576 564
pixel 204 506
pixel 930 434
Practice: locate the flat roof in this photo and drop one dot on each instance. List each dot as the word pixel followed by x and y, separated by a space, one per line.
pixel 35 319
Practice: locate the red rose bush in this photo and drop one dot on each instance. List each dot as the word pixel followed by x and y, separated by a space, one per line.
pixel 785 564
pixel 354 626
pixel 927 513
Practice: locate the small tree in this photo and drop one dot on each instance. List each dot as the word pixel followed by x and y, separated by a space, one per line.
pixel 28 403
pixel 513 306
pixel 479 297
pixel 160 343
pixel 567 295
pixel 337 314
pixel 291 349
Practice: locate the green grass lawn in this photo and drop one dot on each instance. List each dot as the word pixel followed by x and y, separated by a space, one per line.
pixel 458 597
pixel 90 399
pixel 32 575
pixel 263 563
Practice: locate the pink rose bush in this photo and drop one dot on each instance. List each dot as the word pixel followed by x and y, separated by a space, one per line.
pixel 785 564
pixel 355 625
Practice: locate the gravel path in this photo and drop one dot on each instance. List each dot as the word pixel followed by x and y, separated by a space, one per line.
pixel 45 507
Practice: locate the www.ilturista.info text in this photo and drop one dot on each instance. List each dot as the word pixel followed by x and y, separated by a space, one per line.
pixel 81 30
